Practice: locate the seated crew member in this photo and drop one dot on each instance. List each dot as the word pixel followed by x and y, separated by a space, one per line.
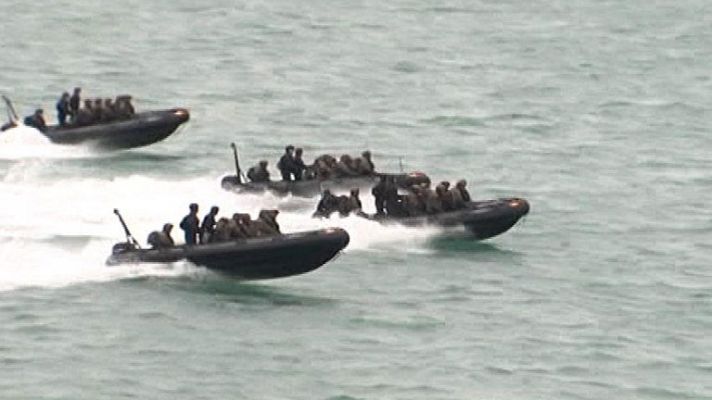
pixel 222 231
pixel 74 103
pixel 85 115
pixel 431 202
pixel 445 197
pixel 379 195
pixel 366 166
pixel 207 229
pixel 129 107
pixel 445 184
pixel 327 205
pixel 456 198
pixel 298 164
pixel 98 110
pixel 344 168
pixel 323 172
pixel 247 226
pixel 124 109
pixel 234 227
pixel 286 163
pixel 264 224
pixel 162 239
pixel 413 202
pixel 324 166
pixel 191 225
pixel 356 165
pixel 109 110
pixel 310 172
pixel 460 186
pixel 354 201
pixel 343 205
pixel 328 160
pixel 258 173
pixel 120 108
pixel 63 109
pixel 36 120
pixel 269 217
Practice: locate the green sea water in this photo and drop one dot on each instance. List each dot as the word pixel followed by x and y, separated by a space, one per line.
pixel 597 112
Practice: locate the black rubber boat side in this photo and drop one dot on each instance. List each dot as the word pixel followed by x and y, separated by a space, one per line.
pixel 483 219
pixel 141 129
pixel 313 187
pixel 249 259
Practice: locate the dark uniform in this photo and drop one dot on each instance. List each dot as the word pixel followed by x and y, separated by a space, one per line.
pixel 298 164
pixel 431 202
pixel 365 166
pixel 266 224
pixel 36 120
pixel 85 115
pixel 235 229
pixel 63 108
pixel 342 205
pixel 246 225
pixel 162 239
pixel 222 231
pixel 379 194
pixel 413 204
pixel 324 166
pixel 98 109
pixel 269 217
pixel 109 110
pixel 259 172
pixel 207 229
pixel 327 205
pixel 191 225
pixel 395 204
pixel 123 107
pixel 344 168
pixel 456 196
pixel 286 163
pixel 461 184
pixel 353 203
pixel 74 103
pixel 445 196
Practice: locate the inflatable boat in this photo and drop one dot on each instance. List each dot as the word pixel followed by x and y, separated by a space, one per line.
pixel 247 259
pixel 238 183
pixel 141 129
pixel 483 219
pixel 314 187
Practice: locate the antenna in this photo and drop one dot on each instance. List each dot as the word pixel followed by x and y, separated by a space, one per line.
pixel 129 237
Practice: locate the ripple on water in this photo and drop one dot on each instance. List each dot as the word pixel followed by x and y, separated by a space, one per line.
pixel 652 392
pixel 414 323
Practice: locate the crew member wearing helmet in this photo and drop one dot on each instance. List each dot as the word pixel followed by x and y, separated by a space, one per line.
pixel 259 172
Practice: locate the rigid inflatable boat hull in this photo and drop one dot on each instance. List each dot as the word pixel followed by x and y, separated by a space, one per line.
pixel 249 259
pixel 142 129
pixel 314 187
pixel 483 219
